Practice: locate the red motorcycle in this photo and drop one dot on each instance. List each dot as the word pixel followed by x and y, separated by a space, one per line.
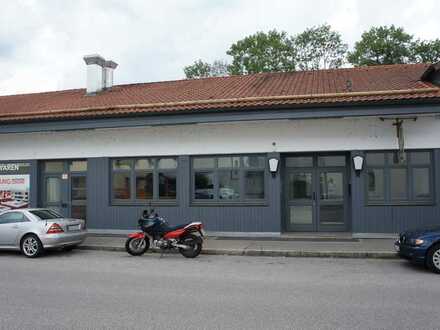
pixel 187 238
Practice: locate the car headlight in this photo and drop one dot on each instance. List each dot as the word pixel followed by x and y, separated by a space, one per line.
pixel 417 241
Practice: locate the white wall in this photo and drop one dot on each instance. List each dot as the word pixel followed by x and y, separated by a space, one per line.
pixel 239 137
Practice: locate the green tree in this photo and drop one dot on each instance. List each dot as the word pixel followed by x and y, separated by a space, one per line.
pixel 426 51
pixel 382 45
pixel 262 52
pixel 201 69
pixel 319 48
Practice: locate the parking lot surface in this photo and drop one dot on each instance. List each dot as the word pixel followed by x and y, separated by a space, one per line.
pixel 97 290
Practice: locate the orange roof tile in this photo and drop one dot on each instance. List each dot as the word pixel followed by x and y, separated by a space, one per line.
pixel 263 90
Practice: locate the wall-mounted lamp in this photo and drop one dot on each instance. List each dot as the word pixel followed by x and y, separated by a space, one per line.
pixel 273 165
pixel 358 164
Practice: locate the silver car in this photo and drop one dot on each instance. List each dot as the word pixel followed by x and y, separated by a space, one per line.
pixel 33 230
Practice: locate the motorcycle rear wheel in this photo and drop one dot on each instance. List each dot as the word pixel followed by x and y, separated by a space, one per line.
pixel 137 246
pixel 195 243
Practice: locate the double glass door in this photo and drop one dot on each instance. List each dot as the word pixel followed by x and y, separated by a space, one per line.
pixel 316 193
pixel 65 187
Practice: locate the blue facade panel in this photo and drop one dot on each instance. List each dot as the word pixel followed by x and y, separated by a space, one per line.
pixel 237 218
pixel 393 218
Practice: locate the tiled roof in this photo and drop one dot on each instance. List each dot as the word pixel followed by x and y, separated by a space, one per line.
pixel 256 91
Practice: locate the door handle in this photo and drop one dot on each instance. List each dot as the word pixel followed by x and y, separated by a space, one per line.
pixel 15 226
pixel 314 196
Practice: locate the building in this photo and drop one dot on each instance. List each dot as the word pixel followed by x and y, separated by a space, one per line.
pixel 354 150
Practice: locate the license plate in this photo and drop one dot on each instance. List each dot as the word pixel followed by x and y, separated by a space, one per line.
pixel 74 228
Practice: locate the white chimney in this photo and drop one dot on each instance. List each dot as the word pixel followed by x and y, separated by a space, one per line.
pixel 109 67
pixel 99 73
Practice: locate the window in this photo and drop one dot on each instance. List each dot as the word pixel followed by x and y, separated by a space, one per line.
pixel 139 180
pixel 229 178
pixel 391 182
pixel 46 214
pixel 12 217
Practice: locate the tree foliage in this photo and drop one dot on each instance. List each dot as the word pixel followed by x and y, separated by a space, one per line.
pixel 319 48
pixel 201 69
pixel 382 45
pixel 426 51
pixel 262 52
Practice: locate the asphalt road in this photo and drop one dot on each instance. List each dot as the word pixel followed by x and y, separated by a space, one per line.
pixel 101 290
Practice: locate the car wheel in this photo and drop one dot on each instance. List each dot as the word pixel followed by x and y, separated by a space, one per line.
pixel 433 259
pixel 31 246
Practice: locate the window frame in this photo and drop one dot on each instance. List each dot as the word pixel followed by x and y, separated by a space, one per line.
pixel 387 166
pixel 133 173
pixel 216 170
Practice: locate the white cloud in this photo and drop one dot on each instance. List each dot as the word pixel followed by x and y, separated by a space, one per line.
pixel 42 42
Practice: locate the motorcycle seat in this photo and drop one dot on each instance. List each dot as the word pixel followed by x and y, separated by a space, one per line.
pixel 173 228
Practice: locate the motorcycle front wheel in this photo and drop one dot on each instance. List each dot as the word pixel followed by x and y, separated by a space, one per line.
pixel 195 246
pixel 137 246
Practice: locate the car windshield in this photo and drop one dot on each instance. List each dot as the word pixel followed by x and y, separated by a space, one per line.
pixel 46 214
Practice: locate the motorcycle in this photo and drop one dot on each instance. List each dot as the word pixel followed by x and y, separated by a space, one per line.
pixel 186 238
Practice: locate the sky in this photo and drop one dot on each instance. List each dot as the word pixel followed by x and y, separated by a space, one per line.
pixel 42 42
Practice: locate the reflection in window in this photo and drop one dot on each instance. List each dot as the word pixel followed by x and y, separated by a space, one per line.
pixel 332 186
pixel 53 190
pixel 204 186
pixel 167 164
pixel 144 164
pixel 205 162
pixel 229 162
pixel 79 190
pixel 229 184
pixel 153 179
pixel 144 185
pixel 167 185
pixel 121 186
pixel 54 167
pixel 299 161
pixel 78 166
pixel 122 164
pixel 399 189
pixel 375 184
pixel 300 186
pixel 391 181
pixel 254 185
pixel 254 161
pixel 229 178
pixel 329 161
pixel 421 183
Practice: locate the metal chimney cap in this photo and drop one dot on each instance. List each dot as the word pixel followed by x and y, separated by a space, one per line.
pixel 111 64
pixel 94 59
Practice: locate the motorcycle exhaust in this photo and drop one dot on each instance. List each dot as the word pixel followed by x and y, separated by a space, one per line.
pixel 182 246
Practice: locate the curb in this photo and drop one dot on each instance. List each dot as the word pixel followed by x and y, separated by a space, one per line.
pixel 269 253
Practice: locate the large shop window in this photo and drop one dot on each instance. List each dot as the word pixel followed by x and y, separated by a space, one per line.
pixel 147 179
pixel 391 182
pixel 229 179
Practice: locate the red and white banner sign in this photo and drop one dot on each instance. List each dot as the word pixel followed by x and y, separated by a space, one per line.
pixel 14 191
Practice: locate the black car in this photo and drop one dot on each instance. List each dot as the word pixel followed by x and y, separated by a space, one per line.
pixel 421 247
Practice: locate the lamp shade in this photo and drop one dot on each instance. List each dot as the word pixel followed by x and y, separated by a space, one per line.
pixel 273 165
pixel 358 163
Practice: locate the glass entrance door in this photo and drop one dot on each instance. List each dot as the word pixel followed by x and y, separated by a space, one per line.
pixel 78 196
pixel 315 193
pixel 301 200
pixel 64 187
pixel 331 200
